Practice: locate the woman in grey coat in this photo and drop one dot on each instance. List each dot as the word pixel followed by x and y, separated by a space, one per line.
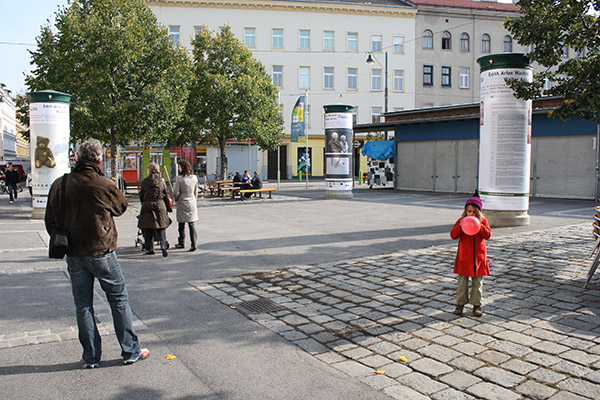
pixel 186 196
pixel 153 216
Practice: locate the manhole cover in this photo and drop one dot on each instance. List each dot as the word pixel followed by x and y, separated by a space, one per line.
pixel 259 306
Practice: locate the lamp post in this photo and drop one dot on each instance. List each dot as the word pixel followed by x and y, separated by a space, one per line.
pixel 370 60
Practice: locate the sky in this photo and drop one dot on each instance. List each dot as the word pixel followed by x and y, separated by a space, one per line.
pixel 21 24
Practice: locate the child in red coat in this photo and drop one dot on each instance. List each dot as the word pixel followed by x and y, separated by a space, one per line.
pixel 471 259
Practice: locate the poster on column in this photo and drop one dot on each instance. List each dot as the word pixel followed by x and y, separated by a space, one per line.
pixel 505 141
pixel 338 152
pixel 49 123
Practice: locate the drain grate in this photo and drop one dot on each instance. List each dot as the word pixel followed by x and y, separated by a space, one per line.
pixel 258 306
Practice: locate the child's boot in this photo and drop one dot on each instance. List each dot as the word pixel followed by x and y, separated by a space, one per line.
pixel 477 311
pixel 458 310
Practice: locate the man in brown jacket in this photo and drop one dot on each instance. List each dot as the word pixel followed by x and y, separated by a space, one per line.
pixel 91 202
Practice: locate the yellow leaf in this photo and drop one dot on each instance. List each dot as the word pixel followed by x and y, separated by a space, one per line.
pixel 402 358
pixel 170 357
pixel 380 372
pixel 432 281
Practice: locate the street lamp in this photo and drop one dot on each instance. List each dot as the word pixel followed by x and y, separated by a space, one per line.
pixel 370 60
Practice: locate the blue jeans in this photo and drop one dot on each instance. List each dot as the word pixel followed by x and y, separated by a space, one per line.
pixel 107 270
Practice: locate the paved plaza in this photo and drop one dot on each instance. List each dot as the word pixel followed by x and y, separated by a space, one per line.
pixel 303 298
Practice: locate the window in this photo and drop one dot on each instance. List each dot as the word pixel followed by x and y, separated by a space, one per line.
pixel 564 51
pixel 464 42
pixel 328 78
pixel 277 38
pixel 427 75
pixel 352 42
pixel 528 48
pixel 507 44
pixel 446 41
pixel 485 43
pixel 399 44
pixel 304 78
pixel 580 52
pixel 328 41
pixel 446 76
pixel 463 81
pixel 376 42
pixel 547 84
pixel 376 80
pixel 198 29
pixel 304 39
pixel 398 80
pixel 250 37
pixel 278 75
pixel 174 33
pixel 355 115
pixel 375 114
pixel 427 40
pixel 352 78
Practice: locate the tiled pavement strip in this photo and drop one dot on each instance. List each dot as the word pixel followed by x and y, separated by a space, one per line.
pixel 101 312
pixel 538 337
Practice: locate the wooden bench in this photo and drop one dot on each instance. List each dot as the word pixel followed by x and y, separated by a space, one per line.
pixel 255 191
pixel 133 185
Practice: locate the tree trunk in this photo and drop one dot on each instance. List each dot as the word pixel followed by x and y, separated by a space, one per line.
pixel 113 151
pixel 222 143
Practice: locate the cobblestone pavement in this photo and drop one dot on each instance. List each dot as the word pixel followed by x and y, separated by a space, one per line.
pixel 387 320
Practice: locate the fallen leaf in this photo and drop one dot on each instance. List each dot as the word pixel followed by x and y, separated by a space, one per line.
pixel 432 281
pixel 402 358
pixel 380 372
pixel 170 357
pixel 239 247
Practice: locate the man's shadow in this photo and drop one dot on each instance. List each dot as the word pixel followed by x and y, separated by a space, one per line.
pixel 50 368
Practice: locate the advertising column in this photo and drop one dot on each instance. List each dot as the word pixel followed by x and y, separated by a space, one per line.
pixel 49 143
pixel 504 140
pixel 338 151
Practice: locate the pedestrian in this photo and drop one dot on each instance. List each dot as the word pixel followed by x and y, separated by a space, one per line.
pixel 91 203
pixel 186 200
pixel 471 259
pixel 12 181
pixel 29 183
pixel 154 219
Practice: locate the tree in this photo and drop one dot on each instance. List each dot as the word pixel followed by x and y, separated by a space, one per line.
pixel 128 81
pixel 231 96
pixel 551 26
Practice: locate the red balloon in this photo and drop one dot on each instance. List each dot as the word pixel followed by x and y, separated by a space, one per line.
pixel 470 225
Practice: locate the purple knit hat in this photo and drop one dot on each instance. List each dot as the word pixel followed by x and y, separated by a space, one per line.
pixel 475 200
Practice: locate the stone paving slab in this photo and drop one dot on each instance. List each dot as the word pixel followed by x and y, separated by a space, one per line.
pixel 387 320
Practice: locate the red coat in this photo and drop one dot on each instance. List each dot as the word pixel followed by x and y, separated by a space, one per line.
pixel 471 259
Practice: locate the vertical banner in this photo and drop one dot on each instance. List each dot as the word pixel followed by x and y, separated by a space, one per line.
pixel 505 134
pixel 338 150
pixel 298 126
pixel 49 143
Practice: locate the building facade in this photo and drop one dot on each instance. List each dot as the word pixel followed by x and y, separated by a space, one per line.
pixel 8 125
pixel 313 48
pixel 452 35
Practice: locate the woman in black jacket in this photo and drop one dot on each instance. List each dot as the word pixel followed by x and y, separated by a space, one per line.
pixel 153 216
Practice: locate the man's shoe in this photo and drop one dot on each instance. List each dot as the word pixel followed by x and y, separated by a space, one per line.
pixel 164 252
pixel 90 365
pixel 179 246
pixel 144 353
pixel 477 311
pixel 193 248
pixel 150 252
pixel 458 310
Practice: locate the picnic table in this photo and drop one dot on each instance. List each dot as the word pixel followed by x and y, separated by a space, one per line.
pixel 219 187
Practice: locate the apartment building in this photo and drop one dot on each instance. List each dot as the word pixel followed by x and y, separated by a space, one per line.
pixel 452 35
pixel 317 48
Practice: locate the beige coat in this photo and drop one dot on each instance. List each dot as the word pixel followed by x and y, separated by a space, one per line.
pixel 185 194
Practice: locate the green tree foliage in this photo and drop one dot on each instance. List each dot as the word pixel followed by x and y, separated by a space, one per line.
pixel 549 25
pixel 231 97
pixel 128 81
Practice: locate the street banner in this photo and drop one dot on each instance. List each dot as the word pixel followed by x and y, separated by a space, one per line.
pixel 298 124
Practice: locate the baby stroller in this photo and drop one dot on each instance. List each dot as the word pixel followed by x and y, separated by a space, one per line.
pixel 139 240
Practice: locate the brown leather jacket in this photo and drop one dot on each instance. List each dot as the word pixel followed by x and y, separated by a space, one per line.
pixel 92 200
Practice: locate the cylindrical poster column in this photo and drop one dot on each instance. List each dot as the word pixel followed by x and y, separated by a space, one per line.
pixel 338 151
pixel 49 143
pixel 504 140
